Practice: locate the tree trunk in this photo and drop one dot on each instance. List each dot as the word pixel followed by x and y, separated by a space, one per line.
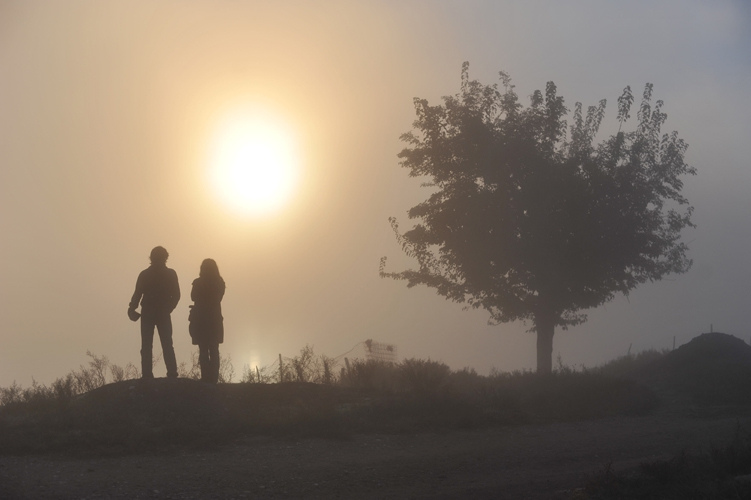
pixel 545 330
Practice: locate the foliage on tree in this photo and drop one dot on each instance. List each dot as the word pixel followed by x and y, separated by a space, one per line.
pixel 531 219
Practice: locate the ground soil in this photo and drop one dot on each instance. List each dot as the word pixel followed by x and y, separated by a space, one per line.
pixel 534 461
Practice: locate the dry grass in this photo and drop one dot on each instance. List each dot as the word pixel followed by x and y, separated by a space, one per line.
pixel 720 473
pixel 97 409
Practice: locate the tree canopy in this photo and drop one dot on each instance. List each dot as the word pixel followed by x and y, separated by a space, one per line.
pixel 530 218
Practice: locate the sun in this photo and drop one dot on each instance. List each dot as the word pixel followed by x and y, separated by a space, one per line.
pixel 254 163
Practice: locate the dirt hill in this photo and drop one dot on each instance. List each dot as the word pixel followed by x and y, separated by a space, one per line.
pixel 711 369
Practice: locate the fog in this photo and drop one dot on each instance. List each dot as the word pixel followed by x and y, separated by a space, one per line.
pixel 106 115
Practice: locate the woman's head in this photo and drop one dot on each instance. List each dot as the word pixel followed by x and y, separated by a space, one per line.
pixel 209 269
pixel 159 255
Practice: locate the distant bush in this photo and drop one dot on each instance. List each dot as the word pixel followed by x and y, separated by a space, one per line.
pixel 631 365
pixel 423 376
pixel 428 391
pixel 369 374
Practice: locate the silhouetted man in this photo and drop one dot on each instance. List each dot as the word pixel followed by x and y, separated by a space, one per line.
pixel 158 292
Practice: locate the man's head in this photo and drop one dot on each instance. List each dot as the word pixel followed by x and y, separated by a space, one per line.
pixel 158 255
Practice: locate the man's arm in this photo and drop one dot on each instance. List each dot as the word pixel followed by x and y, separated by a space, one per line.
pixel 137 294
pixel 175 292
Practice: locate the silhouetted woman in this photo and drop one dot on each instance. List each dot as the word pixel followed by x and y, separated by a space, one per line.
pixel 206 322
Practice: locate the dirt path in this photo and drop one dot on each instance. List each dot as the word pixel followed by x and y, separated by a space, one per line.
pixel 524 462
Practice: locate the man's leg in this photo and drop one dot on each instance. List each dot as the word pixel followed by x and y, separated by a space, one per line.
pixel 147 340
pixel 164 326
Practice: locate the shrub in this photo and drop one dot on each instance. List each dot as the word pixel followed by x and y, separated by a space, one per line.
pixel 423 376
pixel 264 375
pixel 308 367
pixel 631 365
pixel 369 374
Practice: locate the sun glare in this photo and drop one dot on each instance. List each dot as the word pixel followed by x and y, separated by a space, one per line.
pixel 254 164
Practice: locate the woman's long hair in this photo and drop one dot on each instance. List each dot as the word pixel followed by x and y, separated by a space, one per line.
pixel 210 271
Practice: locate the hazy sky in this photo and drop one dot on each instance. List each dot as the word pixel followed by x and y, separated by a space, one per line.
pixel 107 110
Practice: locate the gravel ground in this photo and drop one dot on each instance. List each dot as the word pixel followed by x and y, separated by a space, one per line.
pixel 516 462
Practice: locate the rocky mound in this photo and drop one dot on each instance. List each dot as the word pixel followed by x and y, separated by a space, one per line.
pixel 712 369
